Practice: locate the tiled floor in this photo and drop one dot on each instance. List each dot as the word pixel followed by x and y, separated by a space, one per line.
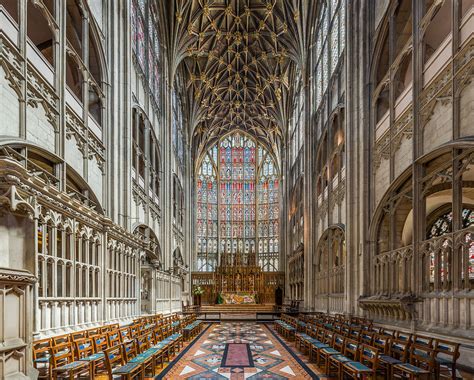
pixel 272 358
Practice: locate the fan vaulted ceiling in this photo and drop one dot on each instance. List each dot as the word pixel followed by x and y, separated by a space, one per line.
pixel 238 59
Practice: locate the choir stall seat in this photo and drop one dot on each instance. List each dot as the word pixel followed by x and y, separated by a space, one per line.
pixel 85 352
pixel 63 363
pixel 41 357
pixel 117 365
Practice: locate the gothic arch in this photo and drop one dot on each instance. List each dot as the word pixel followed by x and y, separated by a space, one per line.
pixel 330 260
pixel 392 255
pixel 151 244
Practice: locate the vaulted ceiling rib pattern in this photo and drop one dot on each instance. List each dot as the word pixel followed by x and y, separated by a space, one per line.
pixel 239 60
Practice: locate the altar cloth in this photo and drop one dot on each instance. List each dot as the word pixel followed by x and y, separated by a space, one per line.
pixel 238 299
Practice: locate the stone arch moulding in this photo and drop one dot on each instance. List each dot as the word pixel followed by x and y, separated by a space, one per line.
pixel 56 160
pixel 464 143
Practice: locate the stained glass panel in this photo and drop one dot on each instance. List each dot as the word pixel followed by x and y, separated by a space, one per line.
pixel 206 224
pixel 330 42
pixel 245 197
pixel 442 226
pixel 146 46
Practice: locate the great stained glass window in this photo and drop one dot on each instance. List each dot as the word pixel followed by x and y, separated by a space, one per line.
pixel 237 203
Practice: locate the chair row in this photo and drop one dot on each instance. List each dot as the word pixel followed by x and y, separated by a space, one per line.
pixel 412 355
pixel 65 353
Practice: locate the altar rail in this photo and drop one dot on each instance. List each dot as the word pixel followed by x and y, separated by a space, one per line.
pixel 266 295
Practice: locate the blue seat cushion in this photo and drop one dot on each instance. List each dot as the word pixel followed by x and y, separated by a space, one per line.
pixel 319 345
pixel 389 360
pixel 357 366
pixel 144 356
pixel 71 366
pixel 340 358
pixel 407 367
pixel 127 368
pixel 91 358
pixel 44 359
pixel 330 351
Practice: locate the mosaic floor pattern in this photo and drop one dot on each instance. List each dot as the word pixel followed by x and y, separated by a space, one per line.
pixel 267 356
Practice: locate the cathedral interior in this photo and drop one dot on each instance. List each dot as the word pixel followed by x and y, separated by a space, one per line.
pixel 236 189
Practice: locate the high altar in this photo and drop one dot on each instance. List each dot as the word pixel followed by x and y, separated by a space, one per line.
pixel 238 280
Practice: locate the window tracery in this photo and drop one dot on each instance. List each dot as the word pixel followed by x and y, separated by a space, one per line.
pixel 142 159
pixel 329 46
pixel 177 128
pixel 146 47
pixel 237 203
pixel 178 202
pixel 441 226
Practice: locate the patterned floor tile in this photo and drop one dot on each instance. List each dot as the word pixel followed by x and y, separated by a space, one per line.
pixel 271 357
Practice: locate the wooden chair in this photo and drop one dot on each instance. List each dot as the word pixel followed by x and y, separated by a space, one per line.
pixel 382 342
pixel 125 334
pixel 101 342
pixel 366 337
pixel 42 357
pixel 419 366
pixel 161 353
pixel 366 366
pixel 317 345
pixel 345 330
pixel 117 365
pixel 64 365
pixel 423 357
pixel 134 331
pixel 162 347
pixel 446 354
pixel 85 352
pixel 145 357
pixel 350 351
pixel 300 337
pixel 114 338
pixel 399 349
pixel 338 345
pixel 387 357
pixel 130 350
pixel 354 333
pixel 324 353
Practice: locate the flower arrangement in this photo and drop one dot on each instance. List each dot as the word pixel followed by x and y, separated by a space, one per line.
pixel 198 291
